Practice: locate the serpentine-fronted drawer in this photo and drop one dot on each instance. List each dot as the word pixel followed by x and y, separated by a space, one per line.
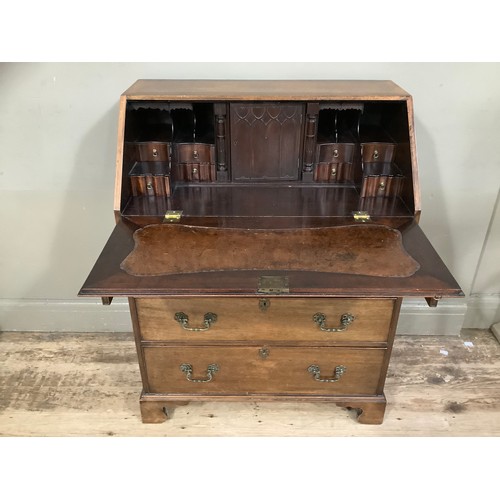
pixel 243 319
pixel 287 370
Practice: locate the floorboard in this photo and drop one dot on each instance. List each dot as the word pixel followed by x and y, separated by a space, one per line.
pixel 62 384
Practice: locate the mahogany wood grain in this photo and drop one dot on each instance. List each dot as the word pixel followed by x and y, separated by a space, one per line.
pixel 278 91
pixel 249 222
pixel 369 411
pixel 194 172
pixel 119 181
pixel 414 162
pixel 152 412
pixel 266 141
pixel 157 411
pixel 136 327
pixel 267 202
pixel 333 172
pixel 250 90
pixel 388 186
pixel 391 335
pixel 194 153
pixel 377 152
pixel 335 152
pixel 265 319
pixel 241 370
pixel 149 151
pixel 151 179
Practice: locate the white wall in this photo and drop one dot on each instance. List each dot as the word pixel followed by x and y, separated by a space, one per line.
pixel 58 124
pixel 484 301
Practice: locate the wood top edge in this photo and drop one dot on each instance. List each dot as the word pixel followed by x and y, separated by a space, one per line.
pixel 297 90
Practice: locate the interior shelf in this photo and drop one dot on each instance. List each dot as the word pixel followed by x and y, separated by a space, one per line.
pixel 289 200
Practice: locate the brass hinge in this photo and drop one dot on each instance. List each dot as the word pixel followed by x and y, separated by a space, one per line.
pixel 362 216
pixel 173 216
pixel 273 284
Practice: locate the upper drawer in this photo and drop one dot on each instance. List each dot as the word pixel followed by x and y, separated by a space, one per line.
pixel 266 318
pixel 194 153
pixel 149 151
pixel 335 153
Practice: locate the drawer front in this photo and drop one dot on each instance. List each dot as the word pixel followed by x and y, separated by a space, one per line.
pixel 334 172
pixel 335 153
pixel 378 152
pixel 284 370
pixel 381 185
pixel 150 185
pixel 195 172
pixel 151 151
pixel 194 153
pixel 265 319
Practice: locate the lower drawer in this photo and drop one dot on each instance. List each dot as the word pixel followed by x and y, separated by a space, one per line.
pixel 248 370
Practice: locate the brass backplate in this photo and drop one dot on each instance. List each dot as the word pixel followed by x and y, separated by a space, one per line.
pixel 273 284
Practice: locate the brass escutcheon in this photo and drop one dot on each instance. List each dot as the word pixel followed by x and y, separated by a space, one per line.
pixel 375 155
pixel 264 352
pixel 264 304
pixel 155 152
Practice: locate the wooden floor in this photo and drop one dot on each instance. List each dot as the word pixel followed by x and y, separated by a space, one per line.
pixel 56 384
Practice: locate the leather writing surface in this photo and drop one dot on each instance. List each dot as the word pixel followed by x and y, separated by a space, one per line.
pixel 107 278
pixel 371 250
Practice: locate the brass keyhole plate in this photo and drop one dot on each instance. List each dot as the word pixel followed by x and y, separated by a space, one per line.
pixel 264 304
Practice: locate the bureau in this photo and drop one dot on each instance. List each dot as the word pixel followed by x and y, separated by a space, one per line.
pixel 266 235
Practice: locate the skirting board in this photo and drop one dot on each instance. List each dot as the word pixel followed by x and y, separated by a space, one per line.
pixel 496 330
pixel 89 315
pixel 417 318
pixel 483 310
pixel 80 315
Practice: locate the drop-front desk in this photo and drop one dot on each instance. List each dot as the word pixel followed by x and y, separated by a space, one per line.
pixel 266 234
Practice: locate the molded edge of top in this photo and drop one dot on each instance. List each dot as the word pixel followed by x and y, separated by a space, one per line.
pixel 245 90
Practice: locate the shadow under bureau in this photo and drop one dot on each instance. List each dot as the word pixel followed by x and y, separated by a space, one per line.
pixel 266 235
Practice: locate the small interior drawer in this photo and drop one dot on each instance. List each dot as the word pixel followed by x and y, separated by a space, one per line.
pixel 150 178
pixel 335 153
pixel 149 151
pixel 194 172
pixel 378 152
pixel 334 172
pixel 381 180
pixel 194 153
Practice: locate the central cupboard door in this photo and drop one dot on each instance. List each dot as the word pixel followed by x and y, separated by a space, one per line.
pixel 266 141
